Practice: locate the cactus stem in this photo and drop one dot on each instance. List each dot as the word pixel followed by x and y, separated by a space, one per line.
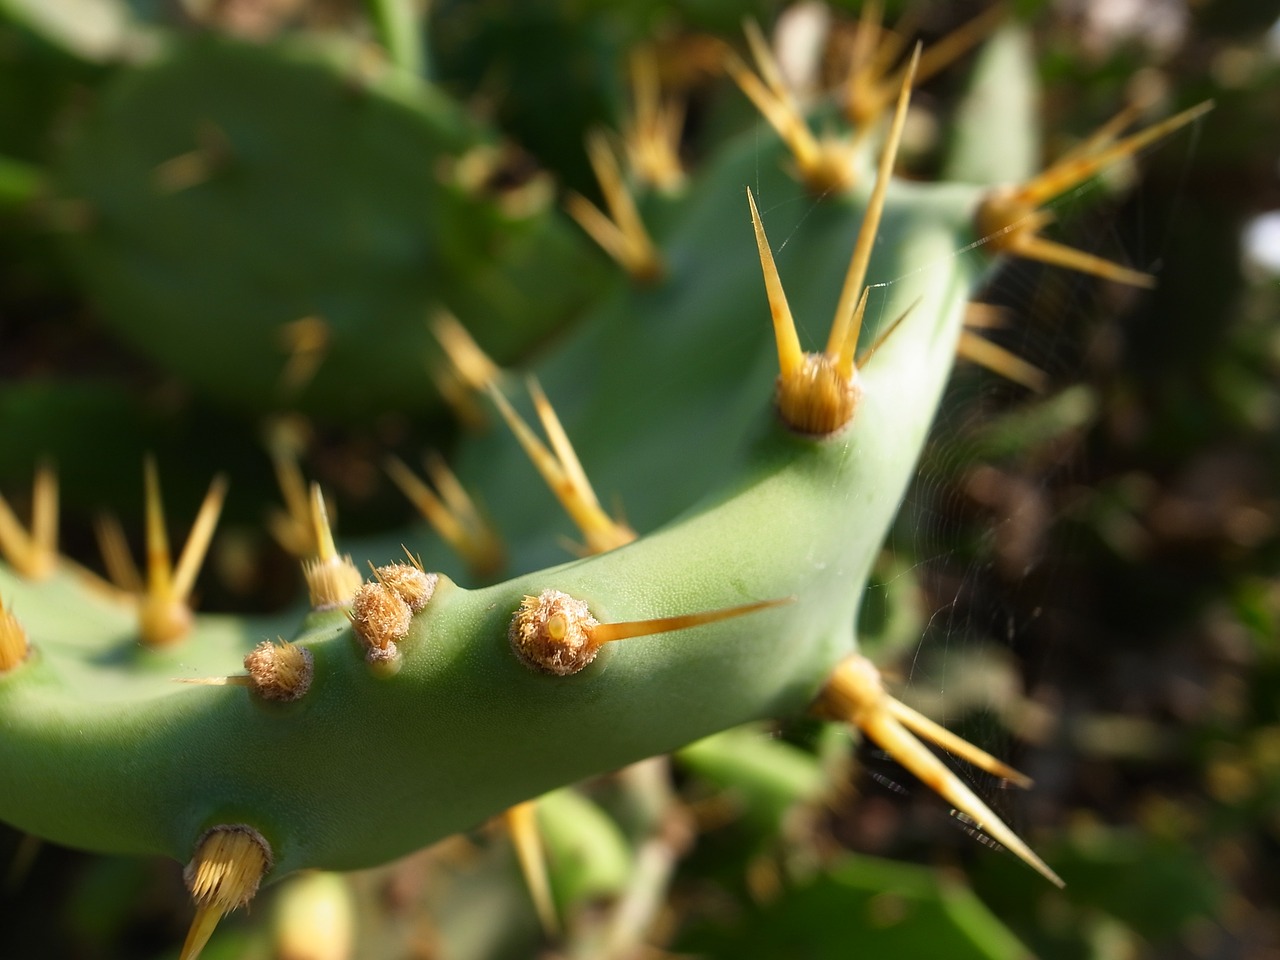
pixel 33 554
pixel 14 645
pixel 824 166
pixel 557 634
pixel 306 342
pixel 1008 219
pixel 652 135
pixel 522 824
pixel 164 613
pixel 224 874
pixel 622 235
pixel 563 473
pixel 473 366
pixel 856 695
pixel 997 359
pixel 452 513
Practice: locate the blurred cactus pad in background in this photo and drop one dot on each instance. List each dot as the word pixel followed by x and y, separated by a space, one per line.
pixel 625 479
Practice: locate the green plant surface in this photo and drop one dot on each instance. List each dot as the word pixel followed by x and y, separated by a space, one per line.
pixel 208 193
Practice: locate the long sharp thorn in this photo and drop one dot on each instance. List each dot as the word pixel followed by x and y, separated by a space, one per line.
pixel 959 41
pixel 44 513
pixel 790 356
pixel 997 359
pixel 159 563
pixel 560 444
pixel 117 558
pixel 598 227
pixel 935 733
pixel 609 632
pixel 1106 133
pixel 202 927
pixel 433 510
pixel 781 114
pixel 865 357
pixel 1064 175
pixel 197 545
pixel 766 63
pixel 856 276
pixel 1035 247
pixel 321 531
pixel 844 362
pixel 892 737
pixel 473 365
pixel 522 824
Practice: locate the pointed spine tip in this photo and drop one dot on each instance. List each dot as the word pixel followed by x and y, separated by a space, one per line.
pixel 855 694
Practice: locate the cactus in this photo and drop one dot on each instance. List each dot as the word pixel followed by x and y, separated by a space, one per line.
pixel 758 480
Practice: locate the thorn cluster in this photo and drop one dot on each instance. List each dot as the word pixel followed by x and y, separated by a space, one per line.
pixel 34 553
pixel 563 473
pixel 451 512
pixel 856 695
pixel 383 608
pixel 1010 218
pixel 621 233
pixel 229 864
pixel 557 634
pixel 817 393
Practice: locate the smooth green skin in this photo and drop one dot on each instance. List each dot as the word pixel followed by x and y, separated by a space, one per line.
pixel 668 393
pixel 327 196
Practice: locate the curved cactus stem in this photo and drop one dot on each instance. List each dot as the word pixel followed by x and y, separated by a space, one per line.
pixel 856 695
pixel 34 553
